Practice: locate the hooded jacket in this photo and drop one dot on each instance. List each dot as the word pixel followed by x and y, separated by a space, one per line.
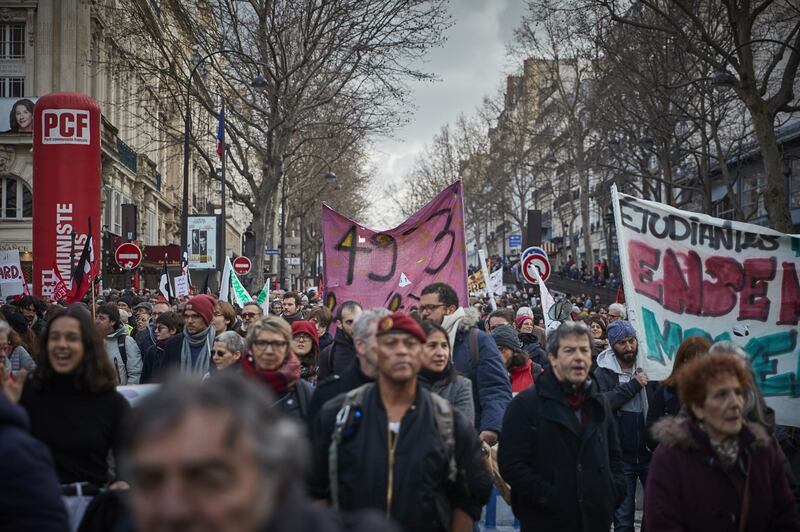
pixel 491 387
pixel 31 498
pixel 688 489
pixel 129 373
pixel 629 401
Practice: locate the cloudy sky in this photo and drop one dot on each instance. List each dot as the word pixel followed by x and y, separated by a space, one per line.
pixel 472 64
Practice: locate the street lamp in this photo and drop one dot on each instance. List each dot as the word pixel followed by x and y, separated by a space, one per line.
pixel 259 83
pixel 330 177
pixel 725 78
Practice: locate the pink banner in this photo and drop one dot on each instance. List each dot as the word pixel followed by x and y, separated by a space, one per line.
pixel 390 268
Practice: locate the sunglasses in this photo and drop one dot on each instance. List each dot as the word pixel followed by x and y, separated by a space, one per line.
pixel 247 315
pixel 215 353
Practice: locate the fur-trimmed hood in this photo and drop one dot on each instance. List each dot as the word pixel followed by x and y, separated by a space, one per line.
pixel 675 431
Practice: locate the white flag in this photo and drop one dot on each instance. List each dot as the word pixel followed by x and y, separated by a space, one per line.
pixel 547 301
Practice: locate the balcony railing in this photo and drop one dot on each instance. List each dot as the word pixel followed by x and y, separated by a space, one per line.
pixel 126 155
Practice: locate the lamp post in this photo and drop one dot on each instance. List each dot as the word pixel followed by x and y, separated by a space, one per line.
pixel 330 177
pixel 258 82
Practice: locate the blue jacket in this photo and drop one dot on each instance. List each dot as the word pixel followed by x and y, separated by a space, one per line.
pixel 31 496
pixel 491 387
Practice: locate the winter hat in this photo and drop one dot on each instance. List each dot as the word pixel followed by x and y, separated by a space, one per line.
pixel 525 311
pixel 522 319
pixel 306 327
pixel 505 336
pixel 145 305
pixel 619 330
pixel 399 322
pixel 17 322
pixel 203 305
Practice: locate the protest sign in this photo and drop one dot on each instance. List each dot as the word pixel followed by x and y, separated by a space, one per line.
pixel 182 285
pixel 688 274
pixel 12 282
pixel 390 268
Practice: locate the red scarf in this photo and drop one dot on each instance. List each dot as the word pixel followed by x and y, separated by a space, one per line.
pixel 575 401
pixel 521 377
pixel 279 380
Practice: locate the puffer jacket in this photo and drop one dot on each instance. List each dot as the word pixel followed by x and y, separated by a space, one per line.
pixel 620 388
pixel 18 359
pixel 131 372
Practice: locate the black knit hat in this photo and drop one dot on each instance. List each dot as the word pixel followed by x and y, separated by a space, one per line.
pixel 17 322
pixel 506 336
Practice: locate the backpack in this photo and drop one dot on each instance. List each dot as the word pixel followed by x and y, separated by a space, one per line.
pixel 473 346
pixel 122 352
pixel 351 414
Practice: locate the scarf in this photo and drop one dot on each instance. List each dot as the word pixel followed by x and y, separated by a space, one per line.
pixel 279 380
pixel 575 396
pixel 204 338
pixel 521 377
pixel 450 324
pixel 447 374
pixel 727 450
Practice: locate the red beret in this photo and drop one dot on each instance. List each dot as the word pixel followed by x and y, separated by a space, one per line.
pixel 203 305
pixel 399 322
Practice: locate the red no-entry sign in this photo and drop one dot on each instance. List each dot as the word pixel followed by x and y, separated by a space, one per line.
pixel 128 256
pixel 242 265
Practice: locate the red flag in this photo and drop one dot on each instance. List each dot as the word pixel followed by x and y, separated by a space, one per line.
pixel 60 290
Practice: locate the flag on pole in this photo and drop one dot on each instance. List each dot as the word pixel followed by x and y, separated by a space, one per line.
pixel 547 302
pixel 164 285
pixel 60 290
pixel 231 288
pixel 82 278
pixel 263 298
pixel 221 132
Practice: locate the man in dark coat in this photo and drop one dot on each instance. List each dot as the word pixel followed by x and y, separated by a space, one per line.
pixel 626 388
pixel 364 368
pixel 337 357
pixel 475 355
pixel 30 497
pixel 389 448
pixel 560 452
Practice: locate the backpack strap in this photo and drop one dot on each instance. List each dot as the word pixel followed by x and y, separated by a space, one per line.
pixel 445 423
pixel 473 346
pixel 122 351
pixel 352 404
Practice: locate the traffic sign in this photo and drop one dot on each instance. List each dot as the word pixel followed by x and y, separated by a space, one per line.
pixel 540 262
pixel 533 250
pixel 242 265
pixel 128 256
pixel 514 241
pixel 272 251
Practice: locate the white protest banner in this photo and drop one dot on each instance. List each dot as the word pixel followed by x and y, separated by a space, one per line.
pixel 547 302
pixel 496 285
pixel 12 282
pixel 688 274
pixel 485 270
pixel 181 285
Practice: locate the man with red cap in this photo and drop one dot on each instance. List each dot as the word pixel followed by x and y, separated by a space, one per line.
pixel 190 352
pixel 396 447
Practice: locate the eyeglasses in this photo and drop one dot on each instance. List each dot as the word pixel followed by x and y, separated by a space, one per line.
pixel 302 338
pixel 218 353
pixel 263 344
pixel 431 308
pixel 248 315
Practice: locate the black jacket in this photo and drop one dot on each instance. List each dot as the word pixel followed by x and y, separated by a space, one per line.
pixel 631 426
pixel 664 403
pixel 334 385
pixel 337 357
pixel 325 340
pixel 30 498
pixel 531 345
pixel 563 476
pixel 422 497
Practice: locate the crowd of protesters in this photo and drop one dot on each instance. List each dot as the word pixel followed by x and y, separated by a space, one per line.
pixel 289 417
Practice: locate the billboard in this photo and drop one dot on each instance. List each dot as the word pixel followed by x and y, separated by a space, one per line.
pixel 689 274
pixel 66 185
pixel 16 115
pixel 202 242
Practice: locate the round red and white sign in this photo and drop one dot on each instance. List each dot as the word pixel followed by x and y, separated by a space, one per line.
pixel 242 265
pixel 128 256
pixel 540 262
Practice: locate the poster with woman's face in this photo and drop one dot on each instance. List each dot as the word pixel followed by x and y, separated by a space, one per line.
pixel 16 115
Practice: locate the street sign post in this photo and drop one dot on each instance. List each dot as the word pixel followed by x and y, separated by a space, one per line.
pixel 271 251
pixel 242 265
pixel 539 262
pixel 128 256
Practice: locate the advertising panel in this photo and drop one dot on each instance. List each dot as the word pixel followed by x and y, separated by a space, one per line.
pixel 202 242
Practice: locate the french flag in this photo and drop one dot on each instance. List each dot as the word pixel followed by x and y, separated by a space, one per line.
pixel 221 132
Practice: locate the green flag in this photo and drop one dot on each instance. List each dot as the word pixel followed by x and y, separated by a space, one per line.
pixel 263 298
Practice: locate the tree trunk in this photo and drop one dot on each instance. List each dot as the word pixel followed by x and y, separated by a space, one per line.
pixel 583 175
pixel 775 197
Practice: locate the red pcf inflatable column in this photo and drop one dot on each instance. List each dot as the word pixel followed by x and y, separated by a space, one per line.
pixel 66 185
